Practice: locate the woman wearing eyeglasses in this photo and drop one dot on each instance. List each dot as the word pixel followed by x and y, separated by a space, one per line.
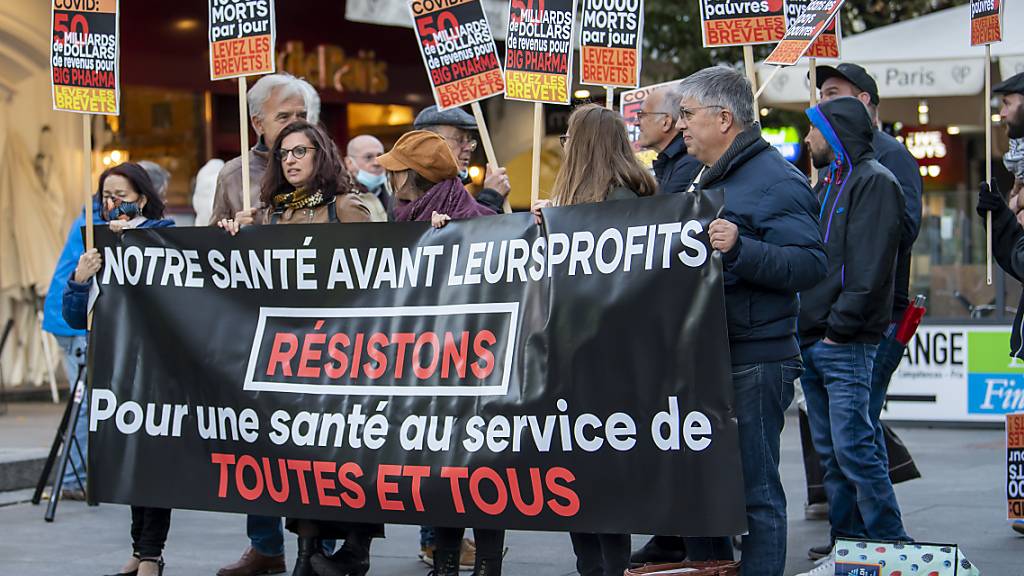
pixel 308 184
pixel 596 132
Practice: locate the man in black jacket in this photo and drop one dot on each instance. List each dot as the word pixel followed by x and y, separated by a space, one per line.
pixel 842 319
pixel 673 168
pixel 771 249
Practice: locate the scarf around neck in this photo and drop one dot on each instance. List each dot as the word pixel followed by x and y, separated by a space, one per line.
pixel 446 197
pixel 298 198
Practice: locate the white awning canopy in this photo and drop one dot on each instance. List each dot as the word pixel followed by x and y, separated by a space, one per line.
pixel 926 57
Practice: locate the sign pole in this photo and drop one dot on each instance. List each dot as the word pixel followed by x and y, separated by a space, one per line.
pixel 243 124
pixel 538 131
pixel 485 138
pixel 748 63
pixel 609 97
pixel 766 83
pixel 988 160
pixel 87 177
pixel 812 64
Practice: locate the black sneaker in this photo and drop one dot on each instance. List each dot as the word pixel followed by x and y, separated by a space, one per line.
pixel 819 552
pixel 658 551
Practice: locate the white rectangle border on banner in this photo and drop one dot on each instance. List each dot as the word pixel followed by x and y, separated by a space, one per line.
pixel 510 308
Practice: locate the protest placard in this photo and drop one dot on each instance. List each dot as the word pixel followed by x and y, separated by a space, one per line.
pixel 986 21
pixel 742 22
pixel 1015 466
pixel 611 35
pixel 391 374
pixel 84 67
pixel 538 51
pixel 803 31
pixel 242 34
pixel 827 44
pixel 458 51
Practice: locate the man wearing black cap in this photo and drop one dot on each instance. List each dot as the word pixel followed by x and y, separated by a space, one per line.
pixel 1007 233
pixel 458 129
pixel 848 79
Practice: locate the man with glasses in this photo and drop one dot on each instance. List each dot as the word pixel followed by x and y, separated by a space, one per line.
pixel 771 250
pixel 673 168
pixel 459 130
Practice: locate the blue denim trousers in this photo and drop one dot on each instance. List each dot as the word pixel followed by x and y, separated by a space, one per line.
pixel 763 392
pixel 266 535
pixel 74 348
pixel 838 386
pixel 887 359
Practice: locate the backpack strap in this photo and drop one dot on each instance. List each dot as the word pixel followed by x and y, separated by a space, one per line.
pixel 332 211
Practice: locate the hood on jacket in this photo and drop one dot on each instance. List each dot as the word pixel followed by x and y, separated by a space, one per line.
pixel 847 127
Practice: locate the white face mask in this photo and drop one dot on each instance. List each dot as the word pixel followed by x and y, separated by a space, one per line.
pixel 463 174
pixel 371 181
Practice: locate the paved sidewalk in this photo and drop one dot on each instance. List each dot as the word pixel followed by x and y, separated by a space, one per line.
pixel 960 499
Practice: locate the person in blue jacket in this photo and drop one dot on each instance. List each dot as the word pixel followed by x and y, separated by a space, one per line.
pixel 73 343
pixel 129 200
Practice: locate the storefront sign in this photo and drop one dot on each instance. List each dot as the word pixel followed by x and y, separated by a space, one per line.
pixel 610 40
pixel 957 374
pixel 329 67
pixel 242 34
pixel 538 50
pixel 458 51
pixel 986 21
pixel 924 79
pixel 803 31
pixel 786 140
pixel 739 22
pixel 827 44
pixel 403 374
pixel 1015 466
pixel 84 57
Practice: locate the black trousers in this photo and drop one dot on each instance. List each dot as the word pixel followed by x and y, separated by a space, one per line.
pixel 601 554
pixel 149 530
pixel 490 544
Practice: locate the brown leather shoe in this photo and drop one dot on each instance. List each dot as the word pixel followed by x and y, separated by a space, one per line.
pixel 252 563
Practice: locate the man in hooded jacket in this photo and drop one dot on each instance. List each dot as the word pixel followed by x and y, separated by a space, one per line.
pixel 843 318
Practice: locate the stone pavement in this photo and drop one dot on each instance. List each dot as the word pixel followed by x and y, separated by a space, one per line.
pixel 960 499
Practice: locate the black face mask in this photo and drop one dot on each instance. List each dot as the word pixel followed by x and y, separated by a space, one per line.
pixel 128 209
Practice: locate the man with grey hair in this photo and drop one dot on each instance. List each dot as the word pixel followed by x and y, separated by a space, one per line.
pixel 771 249
pixel 275 101
pixel 673 168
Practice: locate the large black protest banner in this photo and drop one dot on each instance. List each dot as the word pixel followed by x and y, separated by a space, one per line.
pixel 492 373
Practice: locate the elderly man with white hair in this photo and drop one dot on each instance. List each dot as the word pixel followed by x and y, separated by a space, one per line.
pixel 275 101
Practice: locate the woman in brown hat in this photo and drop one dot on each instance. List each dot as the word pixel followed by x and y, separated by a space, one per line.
pixel 425 178
pixel 308 184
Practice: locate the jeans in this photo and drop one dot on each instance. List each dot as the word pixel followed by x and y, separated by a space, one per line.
pixel 427 537
pixel 74 348
pixel 149 530
pixel 266 535
pixel 763 392
pixel 887 359
pixel 600 554
pixel 837 383
pixel 490 544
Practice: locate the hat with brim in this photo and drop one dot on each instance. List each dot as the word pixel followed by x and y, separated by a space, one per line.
pixel 457 117
pixel 853 74
pixel 423 152
pixel 1012 85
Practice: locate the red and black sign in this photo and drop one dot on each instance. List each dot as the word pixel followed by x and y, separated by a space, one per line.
pixel 538 50
pixel 803 30
pixel 493 373
pixel 84 56
pixel 827 44
pixel 739 22
pixel 242 35
pixel 986 21
pixel 458 50
pixel 610 40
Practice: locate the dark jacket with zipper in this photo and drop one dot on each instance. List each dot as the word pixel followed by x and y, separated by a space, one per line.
pixel 674 169
pixel 861 220
pixel 778 253
pixel 1008 250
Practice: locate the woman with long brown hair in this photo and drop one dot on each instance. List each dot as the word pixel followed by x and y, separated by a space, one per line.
pixel 308 184
pixel 599 165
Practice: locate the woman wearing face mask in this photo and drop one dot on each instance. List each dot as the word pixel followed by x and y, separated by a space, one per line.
pixel 425 180
pixel 307 184
pixel 596 132
pixel 129 201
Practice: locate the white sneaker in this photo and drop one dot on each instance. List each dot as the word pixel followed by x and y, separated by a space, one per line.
pixel 826 566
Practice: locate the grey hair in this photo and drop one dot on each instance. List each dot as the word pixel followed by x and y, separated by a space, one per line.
pixel 157 175
pixel 289 86
pixel 670 101
pixel 721 86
